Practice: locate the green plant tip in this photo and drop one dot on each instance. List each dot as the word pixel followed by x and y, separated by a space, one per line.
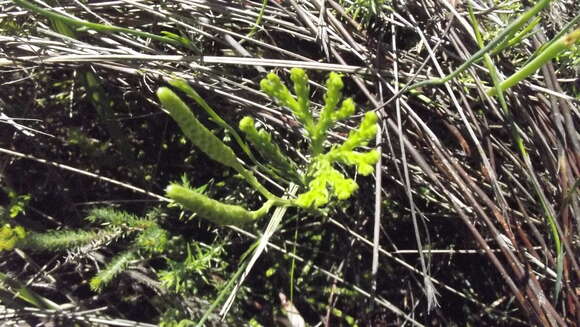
pixel 246 124
pixel 195 131
pixel 210 209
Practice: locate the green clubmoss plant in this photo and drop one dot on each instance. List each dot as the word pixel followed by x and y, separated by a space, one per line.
pixel 212 210
pixel 321 180
pixel 147 239
pixel 114 268
pixel 62 240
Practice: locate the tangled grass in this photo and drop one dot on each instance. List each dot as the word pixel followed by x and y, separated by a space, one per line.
pixel 472 215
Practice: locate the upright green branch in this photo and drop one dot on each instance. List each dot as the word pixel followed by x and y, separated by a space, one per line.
pixel 324 181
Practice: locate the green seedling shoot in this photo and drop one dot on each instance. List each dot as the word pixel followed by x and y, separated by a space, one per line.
pixel 321 181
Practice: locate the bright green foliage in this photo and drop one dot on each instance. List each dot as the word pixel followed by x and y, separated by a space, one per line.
pixel 299 104
pixel 207 142
pixel 195 131
pixel 273 86
pixel 327 116
pixel 184 87
pixel 201 137
pixel 364 161
pixel 324 181
pixel 346 110
pixel 210 209
pixel 117 266
pixel 361 136
pixel 9 236
pixel 261 140
pixel 302 91
pixel 325 177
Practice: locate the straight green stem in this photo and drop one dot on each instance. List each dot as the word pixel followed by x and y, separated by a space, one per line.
pixel 550 52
